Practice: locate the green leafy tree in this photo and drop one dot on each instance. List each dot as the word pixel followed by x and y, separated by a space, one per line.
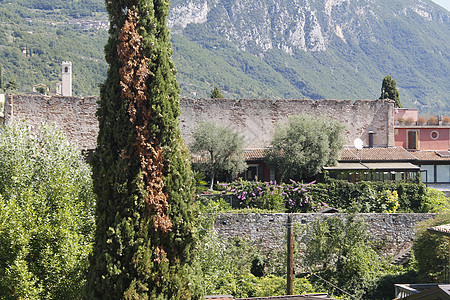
pixel 389 90
pixel 46 215
pixel 145 238
pixel 41 90
pixel 300 148
pixel 431 249
pixel 338 250
pixel 11 85
pixel 221 148
pixel 216 93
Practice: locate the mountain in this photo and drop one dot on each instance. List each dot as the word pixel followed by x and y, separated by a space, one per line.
pixel 334 49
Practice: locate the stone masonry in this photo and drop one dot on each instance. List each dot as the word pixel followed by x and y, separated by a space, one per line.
pixel 393 233
pixel 253 118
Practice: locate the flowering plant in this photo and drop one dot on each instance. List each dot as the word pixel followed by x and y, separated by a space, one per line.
pixel 286 197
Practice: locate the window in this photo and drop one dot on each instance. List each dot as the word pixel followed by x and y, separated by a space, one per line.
pixel 428 176
pixel 66 69
pixel 443 173
pixel 434 135
pixel 413 139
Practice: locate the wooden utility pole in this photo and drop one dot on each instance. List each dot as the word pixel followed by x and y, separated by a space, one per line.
pixel 290 256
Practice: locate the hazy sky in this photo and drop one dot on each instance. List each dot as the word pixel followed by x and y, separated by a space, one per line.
pixel 443 3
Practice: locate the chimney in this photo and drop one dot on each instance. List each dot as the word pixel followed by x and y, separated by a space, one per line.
pixel 371 133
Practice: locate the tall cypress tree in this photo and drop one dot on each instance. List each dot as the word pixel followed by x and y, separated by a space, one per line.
pixel 389 90
pixel 145 237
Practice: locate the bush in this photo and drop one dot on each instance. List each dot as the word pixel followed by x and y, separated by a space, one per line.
pixel 283 197
pixel 375 196
pixel 361 197
pixel 339 251
pixel 435 201
pixel 46 215
pixel 431 249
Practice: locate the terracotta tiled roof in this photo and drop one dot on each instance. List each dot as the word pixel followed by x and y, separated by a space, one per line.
pixel 254 153
pixel 430 156
pixel 376 154
pixel 442 229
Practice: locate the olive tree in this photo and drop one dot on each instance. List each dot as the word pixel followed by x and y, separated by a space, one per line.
pixel 219 148
pixel 301 147
pixel 46 215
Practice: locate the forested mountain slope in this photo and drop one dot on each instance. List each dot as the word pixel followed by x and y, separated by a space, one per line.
pixel 335 49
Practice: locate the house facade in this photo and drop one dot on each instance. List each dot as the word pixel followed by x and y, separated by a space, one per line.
pixel 428 141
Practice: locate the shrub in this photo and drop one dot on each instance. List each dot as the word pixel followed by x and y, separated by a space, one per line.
pixel 409 121
pixel 339 251
pixel 421 120
pixel 430 249
pixel 432 121
pixel 360 197
pixel 435 201
pixel 293 197
pixel 46 215
pixel 365 196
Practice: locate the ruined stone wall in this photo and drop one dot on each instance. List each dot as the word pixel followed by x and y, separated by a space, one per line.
pixel 394 233
pixel 74 116
pixel 253 118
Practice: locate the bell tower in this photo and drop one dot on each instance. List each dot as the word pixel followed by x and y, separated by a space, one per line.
pixel 66 89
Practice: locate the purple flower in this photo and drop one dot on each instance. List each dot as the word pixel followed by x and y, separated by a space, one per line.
pixel 296 189
pixel 293 181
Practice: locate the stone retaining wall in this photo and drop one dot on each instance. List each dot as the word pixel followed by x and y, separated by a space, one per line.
pixel 393 232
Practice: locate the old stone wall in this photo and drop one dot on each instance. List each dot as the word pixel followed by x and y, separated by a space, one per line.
pixel 253 118
pixel 393 233
pixel 74 116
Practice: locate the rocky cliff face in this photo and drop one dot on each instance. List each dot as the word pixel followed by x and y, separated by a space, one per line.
pixel 338 49
pixel 296 24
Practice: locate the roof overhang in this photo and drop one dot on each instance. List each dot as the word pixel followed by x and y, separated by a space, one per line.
pixel 376 166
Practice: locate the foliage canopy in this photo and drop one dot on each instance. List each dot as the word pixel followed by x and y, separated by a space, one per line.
pixel 339 251
pixel 431 249
pixel 389 90
pixel 46 215
pixel 145 240
pixel 216 93
pixel 220 150
pixel 301 147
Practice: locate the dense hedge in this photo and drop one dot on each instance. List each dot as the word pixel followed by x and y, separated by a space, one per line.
pixel 377 197
pixel 371 196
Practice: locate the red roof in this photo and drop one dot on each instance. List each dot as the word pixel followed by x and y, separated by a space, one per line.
pixel 432 156
pixel 376 154
pixel 254 153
